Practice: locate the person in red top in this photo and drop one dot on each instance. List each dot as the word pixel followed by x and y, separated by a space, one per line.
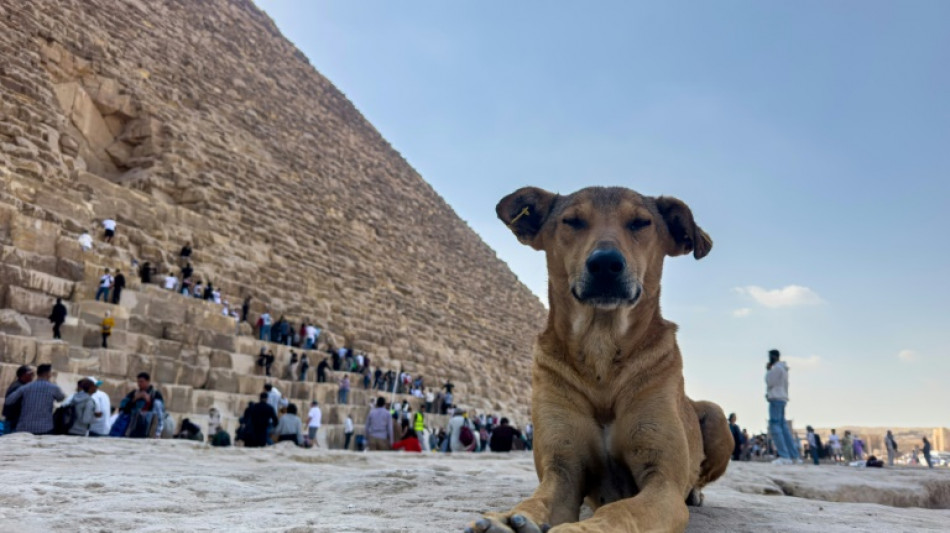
pixel 409 442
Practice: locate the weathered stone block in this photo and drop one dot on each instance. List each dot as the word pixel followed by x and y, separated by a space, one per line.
pixel 28 302
pixel 13 323
pixel 166 370
pixel 34 235
pixel 17 350
pixel 220 359
pixel 113 363
pixel 178 398
pixel 223 380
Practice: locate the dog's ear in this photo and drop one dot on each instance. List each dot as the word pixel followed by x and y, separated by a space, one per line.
pixel 686 236
pixel 525 211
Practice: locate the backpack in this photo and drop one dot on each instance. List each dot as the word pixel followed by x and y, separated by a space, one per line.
pixel 120 425
pixel 63 418
pixel 466 437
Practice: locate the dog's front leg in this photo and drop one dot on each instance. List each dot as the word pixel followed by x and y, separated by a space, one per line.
pixel 565 444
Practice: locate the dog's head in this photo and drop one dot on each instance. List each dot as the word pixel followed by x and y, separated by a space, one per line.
pixel 605 246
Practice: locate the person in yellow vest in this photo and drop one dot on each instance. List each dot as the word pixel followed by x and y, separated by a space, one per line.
pixel 419 424
pixel 107 324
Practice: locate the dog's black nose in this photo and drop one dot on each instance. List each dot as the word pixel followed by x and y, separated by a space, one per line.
pixel 606 263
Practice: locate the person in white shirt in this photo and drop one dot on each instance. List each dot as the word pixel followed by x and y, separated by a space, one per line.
pixel 85 241
pixel 216 296
pixel 835 442
pixel 347 431
pixel 314 417
pixel 100 426
pixel 105 283
pixel 109 225
pixel 273 396
pixel 171 282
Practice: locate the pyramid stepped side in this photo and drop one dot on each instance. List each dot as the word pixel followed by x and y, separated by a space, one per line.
pixel 201 123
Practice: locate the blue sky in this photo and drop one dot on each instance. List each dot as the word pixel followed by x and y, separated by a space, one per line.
pixel 811 139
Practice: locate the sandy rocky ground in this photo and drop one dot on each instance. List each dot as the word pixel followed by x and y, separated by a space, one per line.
pixel 71 484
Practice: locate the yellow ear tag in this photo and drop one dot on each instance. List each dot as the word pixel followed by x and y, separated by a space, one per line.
pixel 524 211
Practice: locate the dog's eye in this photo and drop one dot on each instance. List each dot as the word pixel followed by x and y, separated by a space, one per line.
pixel 638 224
pixel 575 222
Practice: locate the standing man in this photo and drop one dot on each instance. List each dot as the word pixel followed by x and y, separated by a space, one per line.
pixel 105 283
pixel 891 444
pixel 185 256
pixel 379 427
pixel 835 443
pixel 109 225
pixel 258 419
pixel 347 431
pixel 37 399
pixel 11 411
pixel 103 406
pixel 273 396
pixel 926 450
pixel 776 380
pixel 736 437
pixel 245 307
pixel 344 395
pixel 313 422
pixel 58 317
pixel 117 286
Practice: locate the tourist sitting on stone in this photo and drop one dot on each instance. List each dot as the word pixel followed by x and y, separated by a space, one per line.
pixel 322 371
pixel 117 285
pixel 107 324
pixel 216 296
pixel 198 291
pixel 36 399
pixel 409 441
pixel 186 286
pixel 11 411
pixel 58 317
pixel 220 438
pixel 105 283
pixel 258 419
pixel 289 427
pixel 503 437
pixel 185 255
pixel 190 431
pixel 214 420
pixel 109 226
pixel 143 411
pixel 84 409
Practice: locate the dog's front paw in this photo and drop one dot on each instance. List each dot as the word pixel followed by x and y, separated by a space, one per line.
pixel 514 523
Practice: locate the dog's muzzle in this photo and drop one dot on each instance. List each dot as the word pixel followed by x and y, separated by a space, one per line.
pixel 606 281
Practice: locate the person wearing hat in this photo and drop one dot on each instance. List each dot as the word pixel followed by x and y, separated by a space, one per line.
pixel 103 406
pixel 11 411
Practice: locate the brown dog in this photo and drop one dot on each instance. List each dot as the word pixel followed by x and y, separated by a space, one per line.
pixel 613 425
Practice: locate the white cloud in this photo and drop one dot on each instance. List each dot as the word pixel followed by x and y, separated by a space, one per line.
pixel 741 312
pixel 789 296
pixel 907 356
pixel 805 363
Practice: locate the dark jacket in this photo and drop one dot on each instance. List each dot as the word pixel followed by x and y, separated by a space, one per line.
pixel 119 282
pixel 502 438
pixel 258 420
pixel 58 316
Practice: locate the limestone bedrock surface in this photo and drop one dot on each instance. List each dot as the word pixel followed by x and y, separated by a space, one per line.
pixel 122 485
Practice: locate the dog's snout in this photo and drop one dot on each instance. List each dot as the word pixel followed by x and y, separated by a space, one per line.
pixel 605 263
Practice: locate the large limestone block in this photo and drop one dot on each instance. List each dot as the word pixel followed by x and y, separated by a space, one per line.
pixel 169 348
pixel 251 384
pixel 178 398
pixel 17 350
pixel 247 364
pixel 146 326
pixel 301 391
pixel 195 376
pixel 34 235
pixel 181 333
pixel 166 370
pixel 220 359
pixel 28 302
pixel 94 311
pixel 36 281
pixel 13 323
pixel 224 380
pixel 218 341
pixel 166 311
pixel 53 352
pixel 113 363
pixel 139 363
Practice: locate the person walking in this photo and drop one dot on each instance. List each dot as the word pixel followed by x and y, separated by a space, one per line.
pixel 58 317
pixel 107 324
pixel 926 451
pixel 891 444
pixel 814 445
pixel 776 380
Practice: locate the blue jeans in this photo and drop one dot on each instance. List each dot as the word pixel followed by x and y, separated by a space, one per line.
pixel 104 292
pixel 781 435
pixel 814 454
pixel 344 395
pixel 265 333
